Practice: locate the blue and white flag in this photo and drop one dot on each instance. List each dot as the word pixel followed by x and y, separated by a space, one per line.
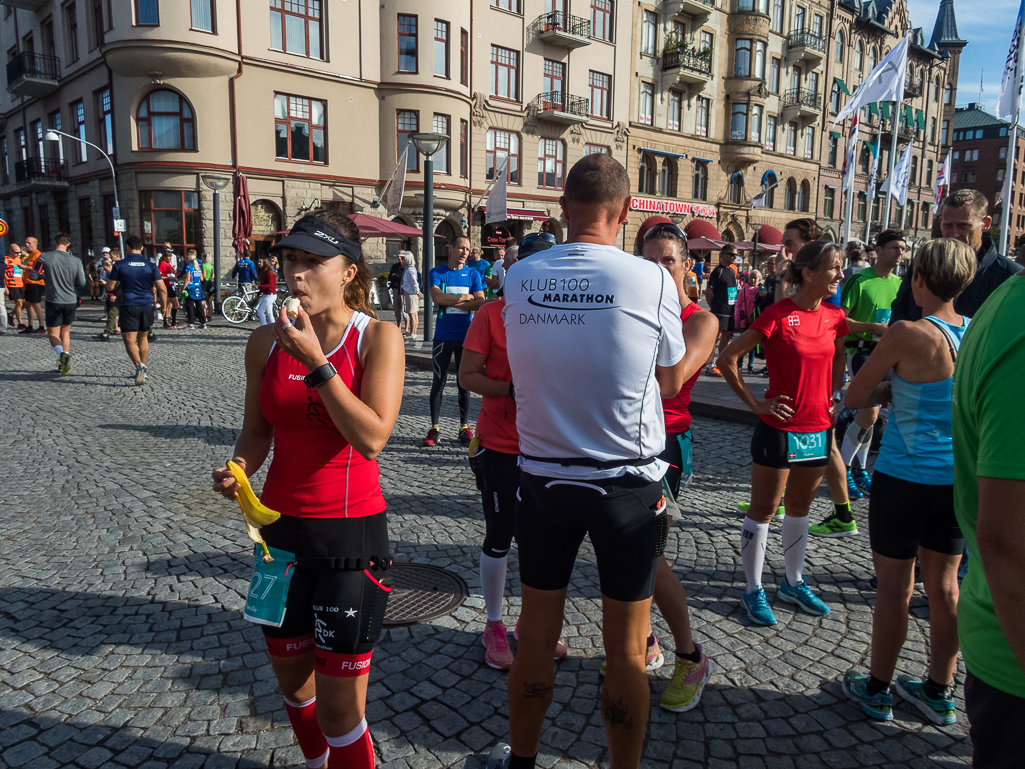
pixel 884 83
pixel 897 183
pixel 1010 83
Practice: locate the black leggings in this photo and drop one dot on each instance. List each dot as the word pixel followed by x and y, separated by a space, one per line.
pixel 442 353
pixel 195 311
pixel 498 477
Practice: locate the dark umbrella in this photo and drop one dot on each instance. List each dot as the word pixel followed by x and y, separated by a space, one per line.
pixel 242 228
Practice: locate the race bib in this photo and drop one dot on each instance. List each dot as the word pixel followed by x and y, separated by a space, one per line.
pixel 731 295
pixel 805 447
pixel 17 271
pixel 458 291
pixel 268 590
pixel 883 315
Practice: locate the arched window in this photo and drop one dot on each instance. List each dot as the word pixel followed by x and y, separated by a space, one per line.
pixel 777 15
pixel 769 183
pixel 936 89
pixel 790 195
pixel 838 47
pixel 873 58
pixel 667 179
pixel 804 196
pixel 859 56
pixel 700 190
pixel 645 176
pixel 165 122
pixel 736 187
pixel 948 91
pixel 834 97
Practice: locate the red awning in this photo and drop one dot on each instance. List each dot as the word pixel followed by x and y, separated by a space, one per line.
pixel 704 244
pixel 769 236
pixel 747 245
pixel 372 227
pixel 698 228
pixel 524 214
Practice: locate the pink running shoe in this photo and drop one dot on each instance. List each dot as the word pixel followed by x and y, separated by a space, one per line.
pixel 496 647
pixel 561 652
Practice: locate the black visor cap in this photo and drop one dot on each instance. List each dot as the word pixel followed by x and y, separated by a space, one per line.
pixel 317 237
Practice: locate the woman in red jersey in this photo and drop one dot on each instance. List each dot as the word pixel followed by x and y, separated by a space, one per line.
pixel 803 340
pixel 494 459
pixel 325 389
pixel 666 245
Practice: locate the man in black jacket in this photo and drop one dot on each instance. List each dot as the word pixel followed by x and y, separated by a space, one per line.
pixel 964 217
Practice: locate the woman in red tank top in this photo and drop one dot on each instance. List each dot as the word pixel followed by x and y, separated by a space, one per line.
pixel 325 391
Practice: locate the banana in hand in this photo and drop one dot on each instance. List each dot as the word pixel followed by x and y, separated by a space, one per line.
pixel 254 512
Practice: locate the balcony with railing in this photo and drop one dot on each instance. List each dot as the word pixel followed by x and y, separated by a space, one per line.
pixel 560 107
pixel 905 132
pixel 41 173
pixel 28 5
pixel 32 74
pixel 692 8
pixel 682 66
pixel 805 46
pixel 912 86
pixel 802 104
pixel 562 29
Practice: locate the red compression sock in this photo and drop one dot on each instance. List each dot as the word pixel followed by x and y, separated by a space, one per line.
pixel 353 750
pixel 313 744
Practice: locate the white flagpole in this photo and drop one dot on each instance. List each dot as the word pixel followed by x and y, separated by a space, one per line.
pixel 1012 134
pixel 894 126
pixel 871 191
pixel 852 157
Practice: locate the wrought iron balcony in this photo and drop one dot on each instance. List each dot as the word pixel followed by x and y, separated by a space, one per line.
pixel 687 66
pixel 687 7
pixel 912 86
pixel 32 74
pixel 801 98
pixel 41 172
pixel 805 45
pixel 563 29
pixel 560 107
pixel 905 132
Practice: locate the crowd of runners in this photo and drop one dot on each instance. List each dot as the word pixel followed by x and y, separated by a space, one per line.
pixel 585 357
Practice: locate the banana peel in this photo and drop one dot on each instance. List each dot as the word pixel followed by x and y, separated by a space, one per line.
pixel 254 512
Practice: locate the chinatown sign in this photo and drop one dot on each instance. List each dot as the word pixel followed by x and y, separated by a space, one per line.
pixel 658 206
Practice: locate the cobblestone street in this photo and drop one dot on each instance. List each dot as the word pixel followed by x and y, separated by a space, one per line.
pixel 123 578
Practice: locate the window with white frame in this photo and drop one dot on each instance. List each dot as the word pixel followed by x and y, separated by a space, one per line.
pixel 649 34
pixel 770 132
pixel 809 141
pixel 675 111
pixel 760 51
pixel 701 116
pixel 647 103
pixel 755 127
pixel 791 138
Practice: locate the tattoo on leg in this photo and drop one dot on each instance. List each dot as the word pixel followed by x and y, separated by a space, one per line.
pixel 537 690
pixel 615 711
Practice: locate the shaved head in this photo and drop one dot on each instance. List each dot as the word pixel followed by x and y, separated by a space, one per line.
pixel 597 180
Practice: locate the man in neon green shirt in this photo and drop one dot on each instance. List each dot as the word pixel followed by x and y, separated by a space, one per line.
pixel 989 500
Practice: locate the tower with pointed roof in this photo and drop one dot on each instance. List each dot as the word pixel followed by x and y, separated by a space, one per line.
pixel 949 44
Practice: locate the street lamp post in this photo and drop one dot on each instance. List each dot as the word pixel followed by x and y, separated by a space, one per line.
pixel 53 135
pixel 427 144
pixel 216 183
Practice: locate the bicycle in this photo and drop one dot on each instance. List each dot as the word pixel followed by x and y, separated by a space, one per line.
pixel 241 307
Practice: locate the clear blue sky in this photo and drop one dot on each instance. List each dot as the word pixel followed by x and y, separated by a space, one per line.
pixel 987 27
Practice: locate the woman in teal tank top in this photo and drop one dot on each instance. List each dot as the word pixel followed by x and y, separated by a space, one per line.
pixel 911 510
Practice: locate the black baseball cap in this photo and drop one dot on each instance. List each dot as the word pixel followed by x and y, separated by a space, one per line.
pixel 318 237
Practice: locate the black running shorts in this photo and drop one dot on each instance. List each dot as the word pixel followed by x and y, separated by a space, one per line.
pixel 726 322
pixel 59 314
pixel 498 477
pixel 336 593
pixel 34 293
pixel 624 518
pixel 903 516
pixel 136 317
pixel 995 716
pixel 16 294
pixel 769 448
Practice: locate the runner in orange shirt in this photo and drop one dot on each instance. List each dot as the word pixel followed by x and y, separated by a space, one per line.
pixel 33 288
pixel 15 283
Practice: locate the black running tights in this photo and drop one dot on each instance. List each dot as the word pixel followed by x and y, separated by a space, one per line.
pixel 442 353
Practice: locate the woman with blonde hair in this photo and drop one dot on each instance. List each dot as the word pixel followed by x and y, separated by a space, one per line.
pixel 911 510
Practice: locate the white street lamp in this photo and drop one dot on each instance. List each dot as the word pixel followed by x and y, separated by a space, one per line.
pixel 428 144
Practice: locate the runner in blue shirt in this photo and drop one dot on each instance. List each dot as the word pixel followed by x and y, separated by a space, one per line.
pixel 194 294
pixel 457 290
pixel 138 277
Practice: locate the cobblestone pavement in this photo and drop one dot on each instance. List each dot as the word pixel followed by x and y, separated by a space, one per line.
pixel 122 581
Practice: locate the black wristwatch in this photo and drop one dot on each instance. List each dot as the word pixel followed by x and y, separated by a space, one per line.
pixel 319 376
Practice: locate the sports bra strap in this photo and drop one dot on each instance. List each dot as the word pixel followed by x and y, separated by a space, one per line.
pixel 952 342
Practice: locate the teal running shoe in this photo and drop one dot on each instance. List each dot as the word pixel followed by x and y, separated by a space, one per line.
pixel 863 481
pixel 939 711
pixel 852 488
pixel 757 607
pixel 802 595
pixel 876 706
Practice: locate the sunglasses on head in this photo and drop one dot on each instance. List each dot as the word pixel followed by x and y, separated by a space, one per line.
pixel 672 229
pixel 545 236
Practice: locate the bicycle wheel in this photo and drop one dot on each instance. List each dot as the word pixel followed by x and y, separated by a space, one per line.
pixel 235 310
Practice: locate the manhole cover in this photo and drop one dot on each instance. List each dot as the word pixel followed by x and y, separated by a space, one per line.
pixel 420 592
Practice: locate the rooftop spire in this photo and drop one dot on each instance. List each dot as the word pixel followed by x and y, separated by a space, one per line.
pixel 945 31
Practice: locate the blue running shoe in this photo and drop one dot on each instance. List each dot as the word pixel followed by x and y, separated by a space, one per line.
pixel 875 706
pixel 757 607
pixel 852 489
pixel 863 481
pixel 803 597
pixel 940 711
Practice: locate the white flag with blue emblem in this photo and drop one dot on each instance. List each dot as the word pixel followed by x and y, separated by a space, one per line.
pixel 1010 84
pixel 884 83
pixel 897 183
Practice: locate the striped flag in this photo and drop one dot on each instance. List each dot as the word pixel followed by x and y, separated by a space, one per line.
pixel 850 159
pixel 942 178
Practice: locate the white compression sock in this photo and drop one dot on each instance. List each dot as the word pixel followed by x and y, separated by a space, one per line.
pixel 348 739
pixel 753 539
pixel 492 581
pixel 795 543
pixel 863 451
pixel 58 349
pixel 851 444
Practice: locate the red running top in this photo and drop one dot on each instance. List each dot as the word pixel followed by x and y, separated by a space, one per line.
pixel 677 408
pixel 315 473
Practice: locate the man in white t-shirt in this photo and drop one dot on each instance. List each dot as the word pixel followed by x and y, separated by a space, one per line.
pixel 586 312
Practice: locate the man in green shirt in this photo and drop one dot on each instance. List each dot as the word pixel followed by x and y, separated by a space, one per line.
pixel 989 500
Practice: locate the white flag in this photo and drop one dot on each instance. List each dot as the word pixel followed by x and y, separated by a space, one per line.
pixel 1010 84
pixel 884 83
pixel 396 186
pixel 497 201
pixel 942 178
pixel 759 199
pixel 897 183
pixel 850 159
